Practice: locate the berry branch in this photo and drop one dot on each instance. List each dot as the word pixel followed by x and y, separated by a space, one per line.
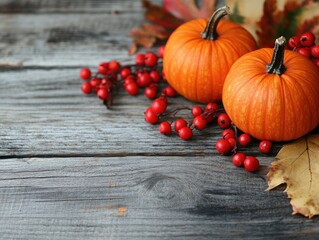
pixel 147 74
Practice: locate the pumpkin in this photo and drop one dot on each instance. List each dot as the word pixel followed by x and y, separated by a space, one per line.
pixel 199 54
pixel 278 101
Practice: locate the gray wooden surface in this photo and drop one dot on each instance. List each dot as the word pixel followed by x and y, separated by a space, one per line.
pixel 70 169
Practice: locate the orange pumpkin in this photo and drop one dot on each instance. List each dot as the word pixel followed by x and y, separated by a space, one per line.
pixel 278 101
pixel 199 54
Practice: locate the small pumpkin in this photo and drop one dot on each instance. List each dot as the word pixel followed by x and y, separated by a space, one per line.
pixel 278 101
pixel 199 54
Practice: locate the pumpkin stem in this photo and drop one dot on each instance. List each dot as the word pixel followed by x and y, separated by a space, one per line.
pixel 210 32
pixel 276 66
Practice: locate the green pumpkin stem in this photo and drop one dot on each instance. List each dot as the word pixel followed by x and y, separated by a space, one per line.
pixel 276 66
pixel 210 32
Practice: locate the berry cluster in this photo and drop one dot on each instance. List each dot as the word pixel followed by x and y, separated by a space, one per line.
pixel 305 45
pixel 144 74
pixel 228 144
pixel 200 118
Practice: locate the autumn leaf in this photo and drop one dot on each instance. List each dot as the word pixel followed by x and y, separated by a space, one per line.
pixel 146 35
pixel 163 20
pixel 161 24
pixel 298 168
pixel 188 9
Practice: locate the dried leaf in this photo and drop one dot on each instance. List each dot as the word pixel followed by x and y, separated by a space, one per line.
pixel 298 167
pixel 146 36
pixel 267 23
pixel 165 19
pixel 160 16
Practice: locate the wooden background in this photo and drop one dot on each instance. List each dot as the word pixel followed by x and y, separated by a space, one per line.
pixel 70 169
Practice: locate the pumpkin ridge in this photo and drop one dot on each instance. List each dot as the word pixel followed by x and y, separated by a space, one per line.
pixel 188 82
pixel 265 108
pixel 256 89
pixel 283 97
pixel 229 44
pixel 196 89
pixel 172 58
pixel 306 99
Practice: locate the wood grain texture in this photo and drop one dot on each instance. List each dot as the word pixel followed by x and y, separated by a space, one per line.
pixel 70 169
pixel 168 198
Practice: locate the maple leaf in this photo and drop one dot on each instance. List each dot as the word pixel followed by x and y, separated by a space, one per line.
pixel 298 167
pixel 188 9
pixel 163 20
pixel 146 35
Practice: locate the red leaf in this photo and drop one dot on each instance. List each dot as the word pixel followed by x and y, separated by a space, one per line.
pixel 188 10
pixel 160 16
pixel 267 23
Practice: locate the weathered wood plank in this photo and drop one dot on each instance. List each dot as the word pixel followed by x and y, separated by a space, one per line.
pixel 70 169
pixel 69 6
pixel 43 112
pixel 141 198
pixel 60 40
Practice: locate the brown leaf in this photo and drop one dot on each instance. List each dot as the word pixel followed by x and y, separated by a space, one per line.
pixel 298 167
pixel 146 36
pixel 267 24
pixel 160 16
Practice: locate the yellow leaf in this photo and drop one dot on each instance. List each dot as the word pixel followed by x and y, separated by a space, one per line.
pixel 298 167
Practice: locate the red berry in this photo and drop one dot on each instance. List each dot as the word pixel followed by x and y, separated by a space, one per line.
pixel 140 59
pixel 251 163
pixel 129 79
pixel 228 133
pixel 199 122
pixel 125 72
pixel 143 79
pixel 223 120
pixel 102 93
pixel 131 88
pixel 165 128
pixel 315 51
pixel 86 87
pixel 238 159
pixel 160 51
pixel 150 59
pixel 114 65
pixel 150 92
pixel 305 51
pixel 307 39
pixel 95 84
pixel 265 146
pixel 185 133
pixel 223 146
pixel 294 42
pixel 150 116
pixel 244 139
pixel 159 105
pixel 169 91
pixel 85 73
pixel 179 124
pixel 211 107
pixel 196 111
pixel 232 142
pixel 103 68
pixel 155 76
